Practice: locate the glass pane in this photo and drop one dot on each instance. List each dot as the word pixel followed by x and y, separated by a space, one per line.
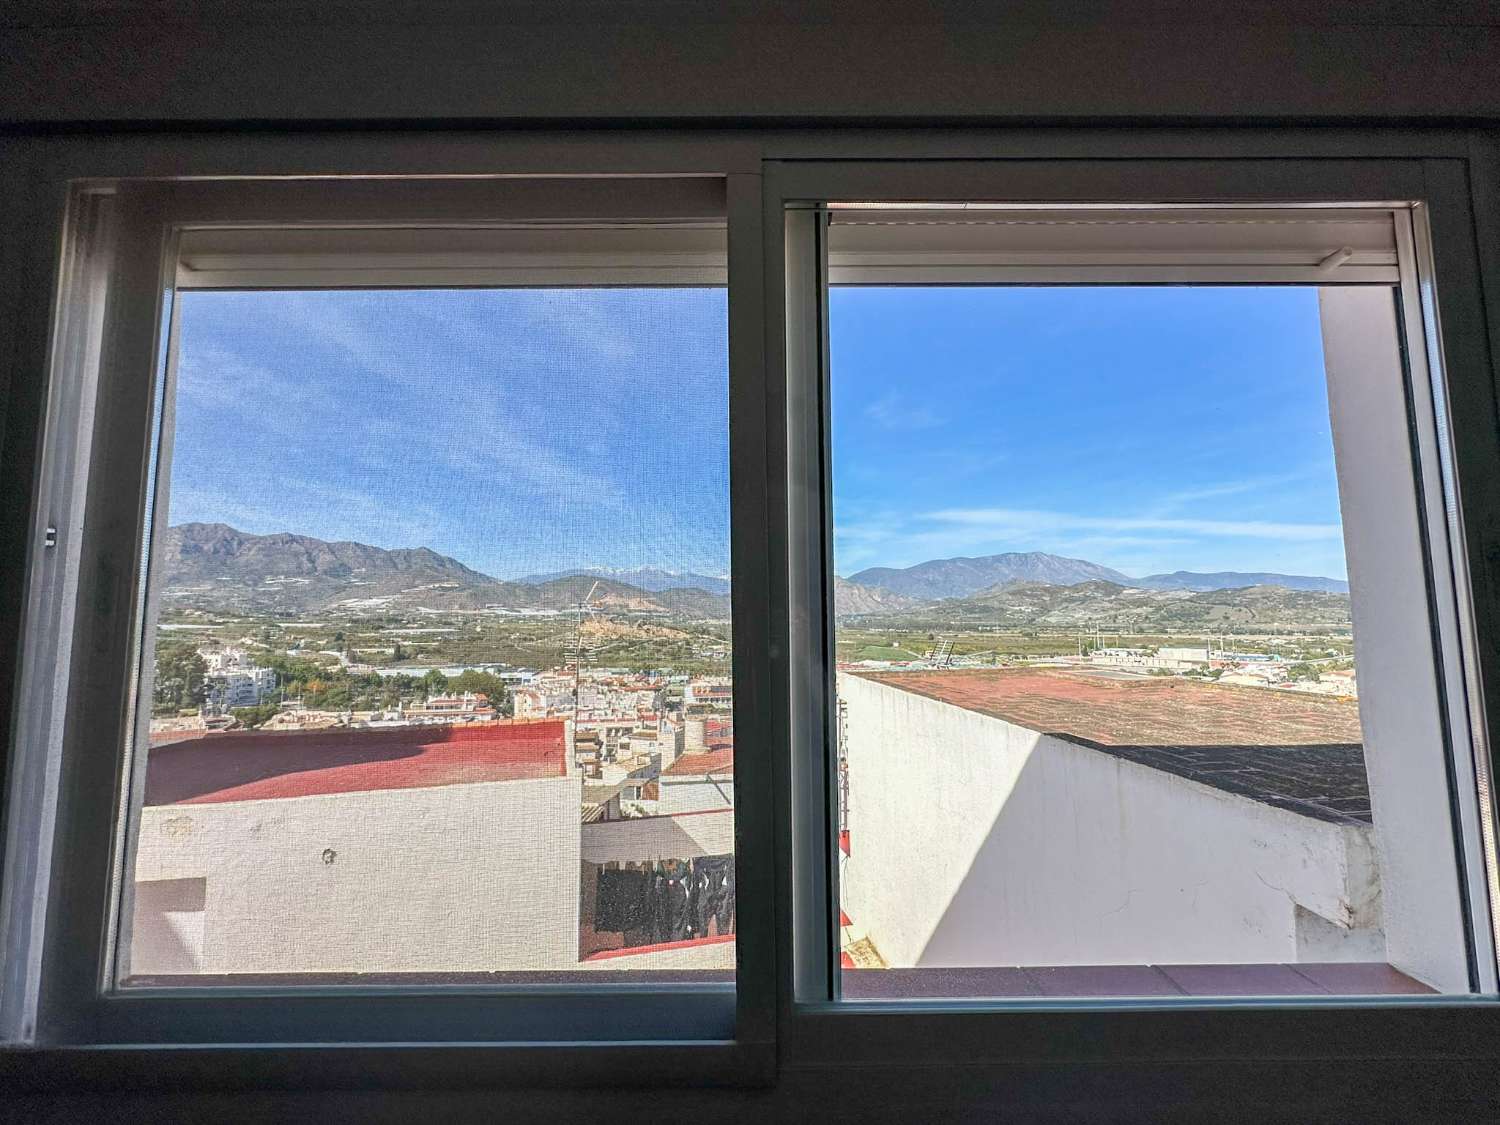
pixel 437 665
pixel 1105 727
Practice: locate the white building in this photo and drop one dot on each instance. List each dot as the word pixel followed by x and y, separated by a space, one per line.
pixel 468 707
pixel 712 691
pixel 975 840
pixel 697 782
pixel 456 849
pixel 1178 659
pixel 221 660
pixel 545 696
pixel 243 686
pixel 1137 658
pixel 368 863
pixel 1165 659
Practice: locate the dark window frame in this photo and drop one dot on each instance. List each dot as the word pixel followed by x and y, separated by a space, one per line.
pixel 1243 1044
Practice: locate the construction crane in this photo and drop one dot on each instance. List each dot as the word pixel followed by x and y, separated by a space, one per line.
pixel 843 774
pixel 940 655
pixel 580 648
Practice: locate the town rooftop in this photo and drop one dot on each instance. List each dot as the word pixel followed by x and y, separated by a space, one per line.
pixel 259 765
pixel 1299 752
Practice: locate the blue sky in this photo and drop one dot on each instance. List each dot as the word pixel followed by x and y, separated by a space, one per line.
pixel 516 430
pixel 1147 428
pixel 520 431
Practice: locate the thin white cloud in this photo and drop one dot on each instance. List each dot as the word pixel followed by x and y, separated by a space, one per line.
pixel 1175 501
pixel 1002 520
pixel 480 422
pixel 1132 544
pixel 894 411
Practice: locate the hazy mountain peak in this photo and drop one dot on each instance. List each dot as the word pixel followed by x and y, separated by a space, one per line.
pixel 1236 579
pixel 654 579
pixel 960 577
pixel 215 566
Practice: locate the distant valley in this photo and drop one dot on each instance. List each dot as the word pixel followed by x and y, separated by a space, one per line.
pixel 216 567
pixel 1038 589
pixel 962 577
pixel 1108 604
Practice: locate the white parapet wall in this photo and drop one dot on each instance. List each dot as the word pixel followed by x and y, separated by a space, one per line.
pixel 650 838
pixel 978 842
pixel 455 878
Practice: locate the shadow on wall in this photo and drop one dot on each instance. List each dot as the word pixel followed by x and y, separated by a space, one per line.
pixel 1098 859
pixel 182 771
pixel 977 842
pixel 167 924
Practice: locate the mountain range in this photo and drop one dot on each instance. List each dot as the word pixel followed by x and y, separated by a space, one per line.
pixel 648 578
pixel 962 577
pixel 217 567
pixel 214 566
pixel 1097 602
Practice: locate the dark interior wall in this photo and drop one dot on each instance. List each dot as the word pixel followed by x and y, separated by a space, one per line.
pixel 77 68
pixel 622 61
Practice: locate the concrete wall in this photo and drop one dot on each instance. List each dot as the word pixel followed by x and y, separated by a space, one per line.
pixel 1399 705
pixel 452 878
pixel 974 841
pixel 695 794
pixel 659 837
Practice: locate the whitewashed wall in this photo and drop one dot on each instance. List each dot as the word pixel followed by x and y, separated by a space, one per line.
pixel 1399 705
pixel 978 842
pixel 452 878
pixel 659 837
pixel 689 793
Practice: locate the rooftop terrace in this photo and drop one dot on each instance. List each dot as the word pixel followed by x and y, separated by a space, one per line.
pixel 258 765
pixel 1302 753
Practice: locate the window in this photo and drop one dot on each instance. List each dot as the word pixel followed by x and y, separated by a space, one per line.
pixel 432 674
pixel 1134 684
pixel 326 742
pixel 440 572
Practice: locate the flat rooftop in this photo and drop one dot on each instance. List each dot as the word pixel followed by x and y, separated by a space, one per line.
pixel 261 765
pixel 1299 752
pixel 701 763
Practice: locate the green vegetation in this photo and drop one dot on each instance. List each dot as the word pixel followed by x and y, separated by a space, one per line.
pixel 254 716
pixel 181 679
pixel 392 642
pixel 998 646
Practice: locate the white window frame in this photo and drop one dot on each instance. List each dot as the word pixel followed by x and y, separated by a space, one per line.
pixel 112 346
pixel 820 1027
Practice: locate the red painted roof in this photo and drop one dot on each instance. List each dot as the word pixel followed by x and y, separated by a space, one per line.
pixel 256 765
pixel 699 763
pixel 632 950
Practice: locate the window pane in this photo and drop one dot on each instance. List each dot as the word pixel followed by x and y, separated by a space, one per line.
pixel 437 662
pixel 1105 724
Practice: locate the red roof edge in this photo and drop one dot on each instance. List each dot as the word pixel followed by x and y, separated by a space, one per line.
pixel 631 950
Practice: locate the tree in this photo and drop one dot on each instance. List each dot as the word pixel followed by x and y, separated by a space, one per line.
pixel 181 679
pixel 484 683
pixel 254 716
pixel 435 682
